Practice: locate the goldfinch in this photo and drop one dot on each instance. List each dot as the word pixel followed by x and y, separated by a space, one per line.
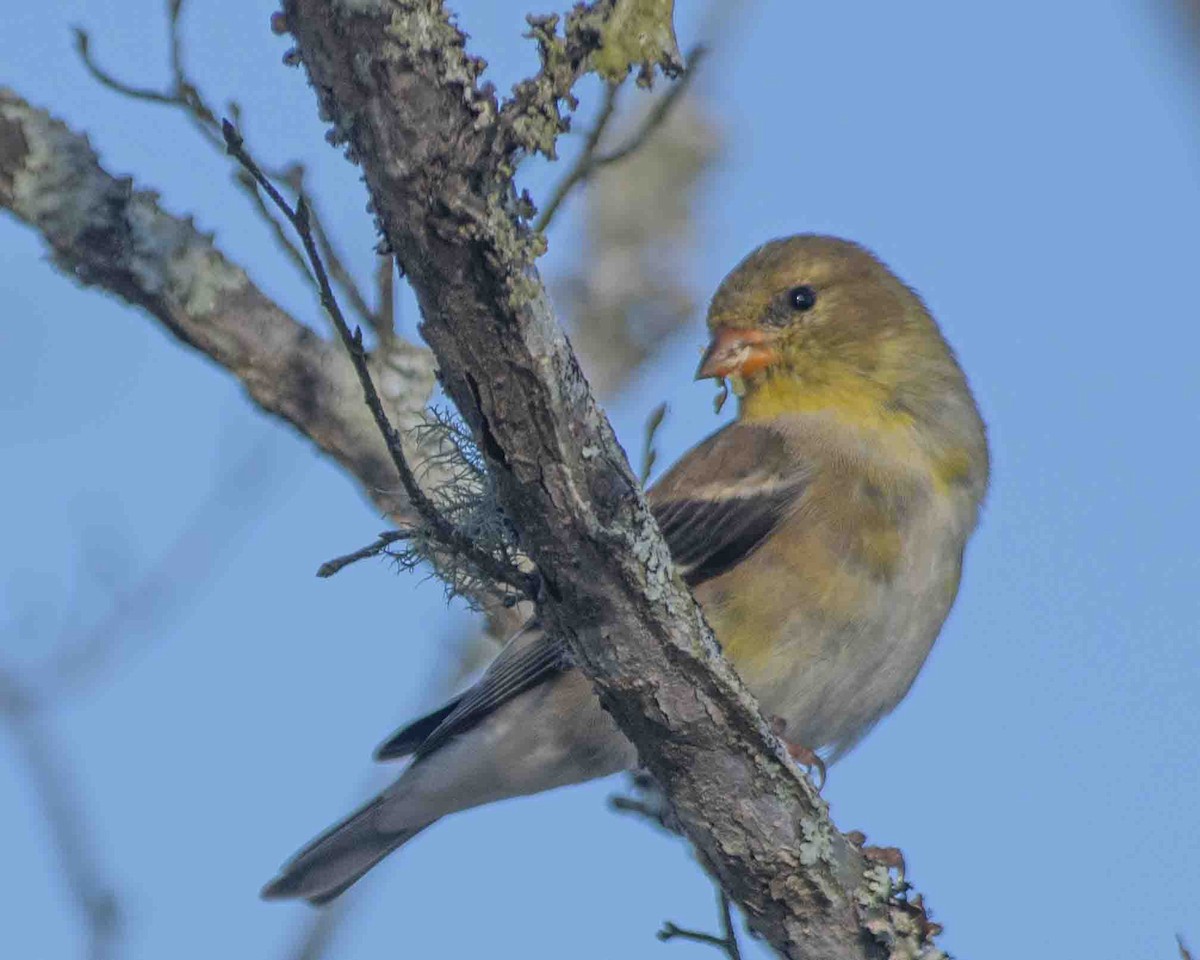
pixel 822 532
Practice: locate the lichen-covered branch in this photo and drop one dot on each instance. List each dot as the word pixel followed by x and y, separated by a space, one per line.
pixel 437 150
pixel 102 231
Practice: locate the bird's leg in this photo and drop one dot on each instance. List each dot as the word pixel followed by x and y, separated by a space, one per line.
pixel 803 755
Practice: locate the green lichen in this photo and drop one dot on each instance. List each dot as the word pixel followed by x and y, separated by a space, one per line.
pixel 426 31
pixel 512 248
pixel 901 925
pixel 817 845
pixel 638 33
pixel 534 117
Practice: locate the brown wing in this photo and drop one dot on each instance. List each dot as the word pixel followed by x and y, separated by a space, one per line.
pixel 531 657
pixel 714 507
pixel 725 498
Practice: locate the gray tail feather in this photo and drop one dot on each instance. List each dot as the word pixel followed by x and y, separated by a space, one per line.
pixel 338 858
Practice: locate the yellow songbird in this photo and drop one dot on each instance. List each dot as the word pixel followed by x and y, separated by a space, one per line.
pixel 822 532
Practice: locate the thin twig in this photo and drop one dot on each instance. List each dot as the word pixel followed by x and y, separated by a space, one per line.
pixel 657 115
pixel 649 453
pixel 341 276
pixel 185 95
pixel 728 942
pixel 727 927
pixel 583 165
pixel 278 231
pixel 385 539
pixel 226 511
pixel 440 529
pixel 106 79
pixel 588 161
pixel 320 927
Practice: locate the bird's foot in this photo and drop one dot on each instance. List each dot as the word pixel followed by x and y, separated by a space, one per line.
pixel 803 755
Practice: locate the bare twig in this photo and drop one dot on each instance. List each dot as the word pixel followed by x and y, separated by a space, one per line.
pixel 727 942
pixel 26 701
pixel 439 528
pixel 657 115
pixel 184 94
pixel 339 272
pixel 278 230
pixel 649 453
pixel 385 539
pixel 79 655
pixel 1184 952
pixel 106 79
pixel 589 161
pixel 584 164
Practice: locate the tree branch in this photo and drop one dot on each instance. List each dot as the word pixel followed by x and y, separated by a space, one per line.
pixel 95 901
pixel 437 151
pixel 727 942
pixel 437 526
pixel 102 231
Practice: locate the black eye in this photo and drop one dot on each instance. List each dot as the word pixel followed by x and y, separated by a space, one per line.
pixel 802 298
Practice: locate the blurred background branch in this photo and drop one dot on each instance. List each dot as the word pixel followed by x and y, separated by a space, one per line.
pixel 59 795
pixel 79 655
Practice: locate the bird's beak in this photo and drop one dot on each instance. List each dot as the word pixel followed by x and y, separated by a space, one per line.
pixel 737 352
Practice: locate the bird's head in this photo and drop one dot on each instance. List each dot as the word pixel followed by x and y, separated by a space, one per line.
pixel 814 323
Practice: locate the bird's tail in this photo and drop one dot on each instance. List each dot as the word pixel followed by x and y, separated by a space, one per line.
pixel 338 858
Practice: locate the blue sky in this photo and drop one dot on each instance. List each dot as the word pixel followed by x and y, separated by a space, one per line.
pixel 1033 169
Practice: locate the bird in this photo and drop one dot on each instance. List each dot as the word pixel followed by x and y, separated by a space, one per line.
pixel 822 531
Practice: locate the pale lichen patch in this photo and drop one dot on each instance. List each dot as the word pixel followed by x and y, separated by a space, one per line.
pixel 652 555
pixel 817 845
pixel 171 260
pixel 81 211
pixel 425 30
pixel 60 187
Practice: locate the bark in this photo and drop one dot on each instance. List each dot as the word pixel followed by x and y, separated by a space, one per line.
pixel 437 151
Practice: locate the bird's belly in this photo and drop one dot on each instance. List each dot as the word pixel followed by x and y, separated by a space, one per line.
pixel 831 650
pixel 832 683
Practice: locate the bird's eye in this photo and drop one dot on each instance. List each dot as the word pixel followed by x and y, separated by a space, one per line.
pixel 802 298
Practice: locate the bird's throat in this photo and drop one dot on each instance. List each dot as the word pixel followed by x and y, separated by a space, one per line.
pixel 853 399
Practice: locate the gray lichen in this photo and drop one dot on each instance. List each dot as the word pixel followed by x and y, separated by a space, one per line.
pixel 465 494
pixel 168 258
pixel 817 846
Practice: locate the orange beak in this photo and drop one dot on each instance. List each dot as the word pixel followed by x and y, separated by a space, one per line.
pixel 735 352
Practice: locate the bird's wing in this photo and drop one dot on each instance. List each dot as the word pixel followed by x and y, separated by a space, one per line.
pixel 717 505
pixel 722 500
pixel 529 658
